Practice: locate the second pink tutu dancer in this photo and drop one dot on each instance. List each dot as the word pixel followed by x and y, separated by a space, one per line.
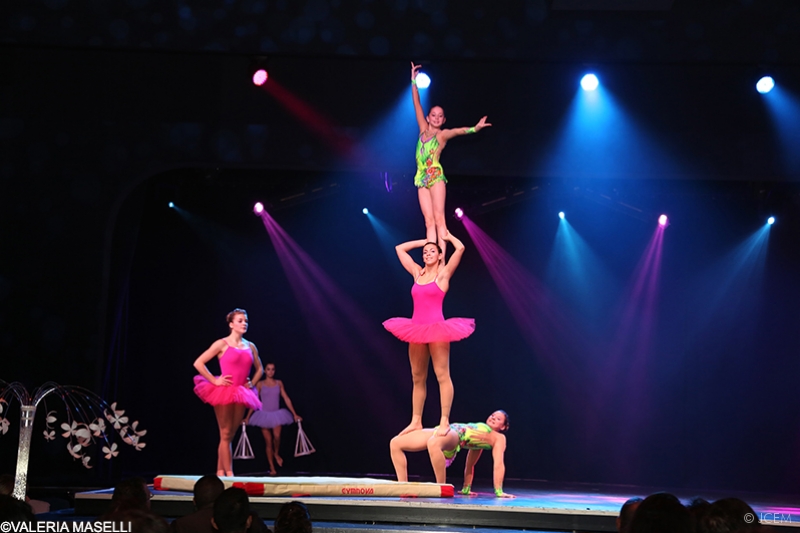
pixel 428 333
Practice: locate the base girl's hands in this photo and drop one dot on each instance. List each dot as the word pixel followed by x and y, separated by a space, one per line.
pixel 481 124
pixel 298 418
pixel 223 381
pixel 415 71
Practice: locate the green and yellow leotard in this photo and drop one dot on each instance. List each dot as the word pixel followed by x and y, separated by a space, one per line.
pixel 429 171
pixel 466 432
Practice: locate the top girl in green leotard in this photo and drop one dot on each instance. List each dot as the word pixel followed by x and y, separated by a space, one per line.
pixel 430 179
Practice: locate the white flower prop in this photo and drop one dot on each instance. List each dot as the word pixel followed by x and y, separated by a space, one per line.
pixel 88 419
pixel 116 419
pixel 141 433
pixel 110 452
pixel 74 450
pixel 98 427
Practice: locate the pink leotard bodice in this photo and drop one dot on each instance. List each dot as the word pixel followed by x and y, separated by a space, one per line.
pixel 428 300
pixel 237 363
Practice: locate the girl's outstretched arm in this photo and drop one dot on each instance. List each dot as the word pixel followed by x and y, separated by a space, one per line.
pixel 499 472
pixel 446 135
pixel 469 470
pixel 423 124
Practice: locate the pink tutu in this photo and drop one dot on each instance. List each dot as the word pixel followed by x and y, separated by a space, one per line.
pixel 450 330
pixel 225 394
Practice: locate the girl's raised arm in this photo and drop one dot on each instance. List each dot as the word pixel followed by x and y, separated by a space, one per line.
pixel 423 124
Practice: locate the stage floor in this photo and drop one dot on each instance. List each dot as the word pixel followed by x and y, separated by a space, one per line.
pixel 537 506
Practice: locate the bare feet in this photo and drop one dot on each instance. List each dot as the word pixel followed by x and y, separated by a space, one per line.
pixel 273 472
pixel 442 431
pixel 413 426
pixel 279 459
pixel 229 473
pixel 443 428
pixel 220 473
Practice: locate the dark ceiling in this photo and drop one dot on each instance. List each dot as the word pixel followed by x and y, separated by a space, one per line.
pixel 650 31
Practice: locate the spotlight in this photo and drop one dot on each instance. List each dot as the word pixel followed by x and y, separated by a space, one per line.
pixel 171 205
pixel 258 208
pixel 771 220
pixel 259 70
pixel 423 80
pixel 662 220
pixel 589 82
pixel 459 213
pixel 260 77
pixel 561 215
pixel 765 84
pixel 365 211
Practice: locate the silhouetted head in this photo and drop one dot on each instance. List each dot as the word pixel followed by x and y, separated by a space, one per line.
pixel 727 515
pixel 206 490
pixel 661 513
pixel 131 493
pixel 232 511
pixel 293 518
pixel 626 513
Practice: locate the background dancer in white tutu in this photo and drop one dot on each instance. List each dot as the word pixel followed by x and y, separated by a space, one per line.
pixel 271 417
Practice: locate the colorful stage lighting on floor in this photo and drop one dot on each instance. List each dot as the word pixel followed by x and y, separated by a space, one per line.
pixel 260 77
pixel 459 213
pixel 589 82
pixel 771 220
pixel 365 211
pixel 561 215
pixel 662 220
pixel 765 84
pixel 258 208
pixel 423 80
pixel 171 205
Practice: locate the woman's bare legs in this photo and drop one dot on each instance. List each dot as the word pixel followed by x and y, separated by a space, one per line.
pixel 276 444
pixel 418 355
pixel 436 446
pixel 270 450
pixel 440 355
pixel 426 206
pixel 438 193
pixel 414 441
pixel 229 418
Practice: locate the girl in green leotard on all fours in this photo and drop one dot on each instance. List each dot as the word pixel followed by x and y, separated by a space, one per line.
pixel 474 437
pixel 430 180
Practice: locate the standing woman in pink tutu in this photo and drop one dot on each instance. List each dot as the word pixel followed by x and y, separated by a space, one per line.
pixel 271 417
pixel 427 333
pixel 231 392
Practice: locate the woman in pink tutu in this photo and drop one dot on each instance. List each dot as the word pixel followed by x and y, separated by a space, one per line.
pixel 231 392
pixel 271 417
pixel 427 333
